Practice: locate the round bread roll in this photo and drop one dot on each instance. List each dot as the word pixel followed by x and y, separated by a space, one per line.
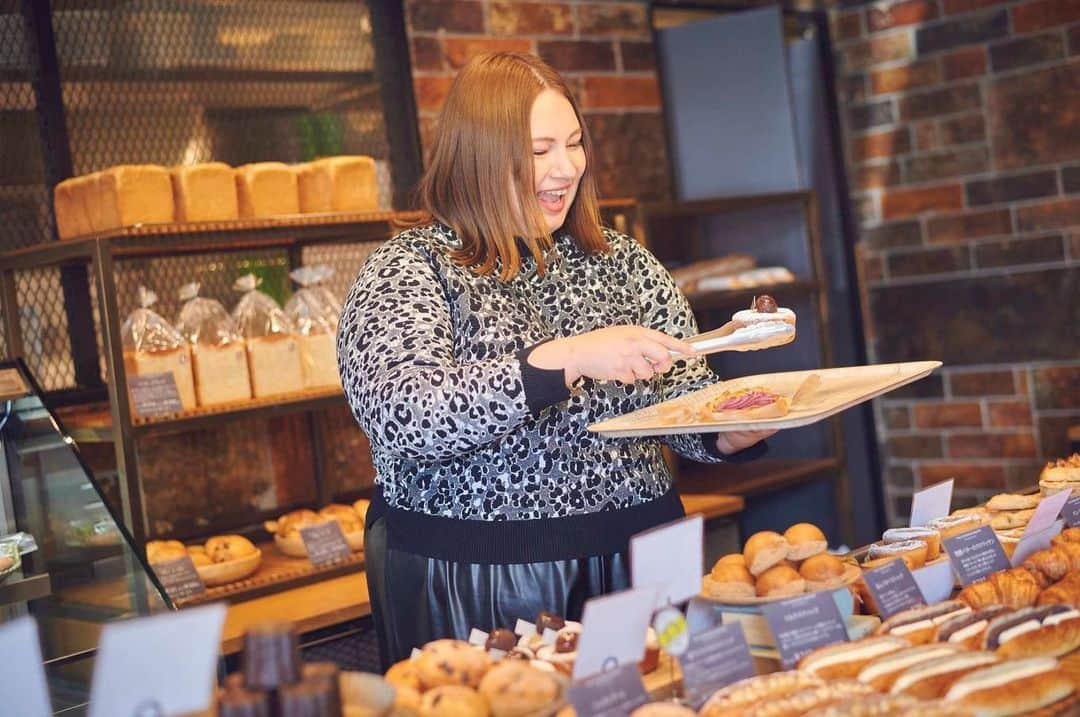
pixel 158 551
pixel 513 689
pixel 290 524
pixel 451 662
pixel 806 540
pixel 732 559
pixel 346 517
pixel 223 548
pixel 729 572
pixel 822 571
pixel 404 674
pixel 764 550
pixel 728 580
pixel 780 581
pixel 453 701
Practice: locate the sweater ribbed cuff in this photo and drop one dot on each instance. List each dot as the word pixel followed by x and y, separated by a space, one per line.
pixel 544 387
pixel 750 453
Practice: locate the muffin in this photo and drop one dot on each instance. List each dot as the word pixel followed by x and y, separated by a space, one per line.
pixel 451 662
pixel 514 689
pixel 404 674
pixel 453 701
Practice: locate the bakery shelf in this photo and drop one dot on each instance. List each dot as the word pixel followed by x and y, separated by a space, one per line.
pixel 750 479
pixel 206 74
pixel 707 300
pixel 697 208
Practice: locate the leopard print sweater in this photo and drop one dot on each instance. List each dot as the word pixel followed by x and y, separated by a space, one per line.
pixel 429 358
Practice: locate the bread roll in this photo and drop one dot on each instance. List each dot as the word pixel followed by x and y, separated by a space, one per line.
pixel 805 540
pixel 822 571
pixel 728 580
pixel 779 581
pixel 764 550
pixel 732 559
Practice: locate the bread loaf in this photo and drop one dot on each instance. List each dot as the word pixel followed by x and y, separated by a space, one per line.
pixel 175 361
pixel 275 367
pixel 266 189
pixel 338 184
pixel 131 194
pixel 69 205
pixel 318 354
pixel 204 192
pixel 221 373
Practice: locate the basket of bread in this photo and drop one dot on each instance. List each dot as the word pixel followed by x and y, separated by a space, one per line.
pixel 774 566
pixel 222 559
pixel 286 529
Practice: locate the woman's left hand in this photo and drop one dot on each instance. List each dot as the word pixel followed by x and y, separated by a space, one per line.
pixel 735 441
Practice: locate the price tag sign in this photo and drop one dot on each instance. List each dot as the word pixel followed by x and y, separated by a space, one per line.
pixel 155 394
pixel 976 554
pixel 802 624
pixel 1071 512
pixel 610 694
pixel 325 543
pixel 669 559
pixel 935 581
pixel 893 588
pixel 715 659
pixel 164 663
pixel 930 503
pixel 22 681
pixel 179 577
pixel 613 631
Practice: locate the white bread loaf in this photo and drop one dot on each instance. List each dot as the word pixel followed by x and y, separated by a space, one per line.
pixel 338 184
pixel 204 192
pixel 318 353
pixel 266 189
pixel 130 194
pixel 176 361
pixel 221 373
pixel 275 367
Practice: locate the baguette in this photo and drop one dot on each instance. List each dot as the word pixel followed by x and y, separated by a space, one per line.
pixel 847 659
pixel 932 679
pixel 871 706
pixel 1012 687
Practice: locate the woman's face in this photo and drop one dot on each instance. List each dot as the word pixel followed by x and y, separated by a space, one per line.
pixel 558 155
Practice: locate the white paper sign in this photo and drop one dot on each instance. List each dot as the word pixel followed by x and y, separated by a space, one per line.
pixel 669 559
pixel 613 631
pixel 1034 542
pixel 930 503
pixel 935 581
pixel 1046 512
pixel 165 662
pixel 23 690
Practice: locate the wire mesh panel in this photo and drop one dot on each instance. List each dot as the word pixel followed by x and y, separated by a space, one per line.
pixel 44 327
pixel 345 260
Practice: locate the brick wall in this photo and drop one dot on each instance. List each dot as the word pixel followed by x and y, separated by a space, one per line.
pixel 603 49
pixel 962 135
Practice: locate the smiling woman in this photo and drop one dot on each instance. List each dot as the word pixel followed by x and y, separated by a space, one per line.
pixel 476 347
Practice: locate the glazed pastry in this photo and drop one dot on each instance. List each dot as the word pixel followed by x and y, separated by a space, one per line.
pixel 453 701
pixel 883 671
pixel 451 662
pixel 953 525
pixel 346 517
pixel 926 535
pixel 1048 631
pixel 917 625
pixel 912 552
pixel 291 523
pixel 805 540
pixel 1012 687
pixel 932 679
pixel 1052 563
pixel 514 689
pixel 158 551
pixel 847 660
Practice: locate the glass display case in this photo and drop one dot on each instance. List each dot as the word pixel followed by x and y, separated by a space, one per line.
pixel 69 562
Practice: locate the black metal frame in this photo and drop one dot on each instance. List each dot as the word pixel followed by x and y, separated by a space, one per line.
pixel 819 19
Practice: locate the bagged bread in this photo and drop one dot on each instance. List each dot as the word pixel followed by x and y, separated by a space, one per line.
pixel 218 353
pixel 315 312
pixel 152 346
pixel 270 337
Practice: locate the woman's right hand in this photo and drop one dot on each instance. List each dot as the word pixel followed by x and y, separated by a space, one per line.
pixel 618 353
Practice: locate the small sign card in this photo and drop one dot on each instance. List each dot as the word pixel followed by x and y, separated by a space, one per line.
pixel 701 615
pixel 613 631
pixel 155 394
pixel 23 690
pixel 157 665
pixel 1034 542
pixel 802 624
pixel 715 659
pixel 893 588
pixel 1042 526
pixel 1071 512
pixel 935 581
pixel 670 559
pixel 325 543
pixel 179 577
pixel 976 554
pixel 930 503
pixel 610 694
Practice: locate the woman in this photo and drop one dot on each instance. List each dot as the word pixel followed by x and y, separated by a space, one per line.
pixel 474 351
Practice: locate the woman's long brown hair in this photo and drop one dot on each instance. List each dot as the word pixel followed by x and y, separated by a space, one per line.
pixel 479 179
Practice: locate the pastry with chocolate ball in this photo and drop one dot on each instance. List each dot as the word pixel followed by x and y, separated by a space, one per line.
pixel 563 653
pixel 805 540
pixel 500 641
pixel 451 662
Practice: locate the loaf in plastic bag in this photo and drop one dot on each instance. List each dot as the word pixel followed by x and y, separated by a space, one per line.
pixel 315 312
pixel 153 346
pixel 270 338
pixel 218 352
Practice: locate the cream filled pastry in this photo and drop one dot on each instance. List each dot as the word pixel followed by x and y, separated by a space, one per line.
pixel 763 321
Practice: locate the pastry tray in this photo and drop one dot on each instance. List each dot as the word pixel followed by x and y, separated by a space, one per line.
pixel 838 390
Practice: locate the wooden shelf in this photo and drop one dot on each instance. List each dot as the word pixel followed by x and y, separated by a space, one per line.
pixel 750 479
pixel 707 300
pixel 668 210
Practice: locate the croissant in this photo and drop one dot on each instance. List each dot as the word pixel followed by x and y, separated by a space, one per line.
pixel 1064 592
pixel 1015 588
pixel 1072 550
pixel 1069 535
pixel 1052 563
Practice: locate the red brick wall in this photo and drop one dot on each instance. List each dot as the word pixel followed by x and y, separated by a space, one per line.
pixel 962 135
pixel 603 49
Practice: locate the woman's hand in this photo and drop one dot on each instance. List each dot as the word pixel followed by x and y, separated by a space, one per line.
pixel 735 441
pixel 619 353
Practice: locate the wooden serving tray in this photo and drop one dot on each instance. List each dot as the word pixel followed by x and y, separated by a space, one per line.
pixel 838 390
